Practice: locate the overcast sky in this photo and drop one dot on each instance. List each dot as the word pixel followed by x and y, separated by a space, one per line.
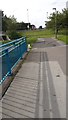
pixel 37 9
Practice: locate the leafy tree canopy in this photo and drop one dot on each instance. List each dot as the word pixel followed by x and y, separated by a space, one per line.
pixel 61 20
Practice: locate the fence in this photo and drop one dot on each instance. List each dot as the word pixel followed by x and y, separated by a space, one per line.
pixel 10 54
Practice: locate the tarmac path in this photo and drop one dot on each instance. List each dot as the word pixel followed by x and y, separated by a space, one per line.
pixel 39 88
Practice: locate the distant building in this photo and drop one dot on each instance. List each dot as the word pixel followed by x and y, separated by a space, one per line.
pixel 33 27
pixel 67 4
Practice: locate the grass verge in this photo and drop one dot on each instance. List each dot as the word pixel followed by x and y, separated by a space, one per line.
pixel 33 35
pixel 63 38
pixel 4 42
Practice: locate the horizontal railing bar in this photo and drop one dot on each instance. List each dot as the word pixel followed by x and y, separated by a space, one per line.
pixel 11 42
pixel 8 72
pixel 4 78
pixel 11 53
pixel 12 46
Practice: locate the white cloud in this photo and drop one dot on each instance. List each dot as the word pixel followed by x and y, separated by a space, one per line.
pixel 37 9
pixel 67 4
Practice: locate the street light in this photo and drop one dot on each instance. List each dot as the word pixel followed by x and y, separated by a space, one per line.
pixel 47 15
pixel 47 19
pixel 55 22
pixel 28 17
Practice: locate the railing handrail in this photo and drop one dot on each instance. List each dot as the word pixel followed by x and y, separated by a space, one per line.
pixel 8 47
pixel 11 42
pixel 20 46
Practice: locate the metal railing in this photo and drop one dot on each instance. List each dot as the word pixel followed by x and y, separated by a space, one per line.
pixel 10 54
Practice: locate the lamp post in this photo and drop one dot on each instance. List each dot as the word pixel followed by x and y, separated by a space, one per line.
pixel 47 15
pixel 55 22
pixel 28 17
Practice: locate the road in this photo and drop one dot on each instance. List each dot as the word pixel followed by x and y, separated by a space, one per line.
pixel 39 88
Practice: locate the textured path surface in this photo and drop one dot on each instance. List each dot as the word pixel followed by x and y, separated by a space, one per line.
pixel 39 88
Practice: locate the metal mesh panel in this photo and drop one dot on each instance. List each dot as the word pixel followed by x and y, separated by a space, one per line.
pixel 14 55
pixel 11 55
pixel 4 66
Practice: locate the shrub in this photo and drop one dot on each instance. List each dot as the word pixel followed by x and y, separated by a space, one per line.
pixel 14 35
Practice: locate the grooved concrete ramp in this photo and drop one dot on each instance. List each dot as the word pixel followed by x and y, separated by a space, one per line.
pixel 39 88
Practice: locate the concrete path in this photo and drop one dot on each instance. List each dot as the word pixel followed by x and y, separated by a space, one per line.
pixel 39 88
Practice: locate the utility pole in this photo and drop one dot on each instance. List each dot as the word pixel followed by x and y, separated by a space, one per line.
pixel 47 15
pixel 47 19
pixel 28 17
pixel 55 22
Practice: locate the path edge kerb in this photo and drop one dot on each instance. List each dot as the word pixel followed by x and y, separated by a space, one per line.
pixel 9 79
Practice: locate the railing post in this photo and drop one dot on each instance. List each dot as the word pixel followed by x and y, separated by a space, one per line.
pixel 8 62
pixel 26 43
pixel 12 53
pixel 14 44
pixel 20 50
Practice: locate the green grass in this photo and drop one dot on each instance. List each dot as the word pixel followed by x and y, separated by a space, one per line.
pixel 33 35
pixel 4 42
pixel 63 38
pixel 63 35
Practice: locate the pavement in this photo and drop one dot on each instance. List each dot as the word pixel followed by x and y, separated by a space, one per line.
pixel 39 88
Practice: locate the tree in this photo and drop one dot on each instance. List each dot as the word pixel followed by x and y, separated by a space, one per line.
pixel 8 23
pixel 40 27
pixel 61 20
